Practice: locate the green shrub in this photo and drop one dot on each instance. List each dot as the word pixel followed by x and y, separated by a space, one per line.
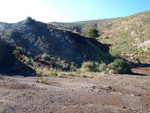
pixel 114 53
pixel 29 21
pixel 120 66
pixel 102 67
pixel 89 66
pixel 73 68
pixel 92 33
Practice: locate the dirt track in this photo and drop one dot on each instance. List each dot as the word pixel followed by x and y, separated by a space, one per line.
pixel 108 94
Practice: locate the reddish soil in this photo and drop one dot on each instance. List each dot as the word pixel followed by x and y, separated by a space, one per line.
pixel 108 94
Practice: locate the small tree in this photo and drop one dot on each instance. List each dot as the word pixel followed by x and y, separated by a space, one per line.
pixel 92 33
pixel 29 21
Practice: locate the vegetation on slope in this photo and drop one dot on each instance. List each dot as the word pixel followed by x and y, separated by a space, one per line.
pixel 129 35
pixel 45 48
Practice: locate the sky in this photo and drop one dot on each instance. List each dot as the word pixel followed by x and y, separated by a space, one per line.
pixel 12 11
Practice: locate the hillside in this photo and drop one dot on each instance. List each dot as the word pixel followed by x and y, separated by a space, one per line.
pixel 38 44
pixel 129 35
pixel 9 63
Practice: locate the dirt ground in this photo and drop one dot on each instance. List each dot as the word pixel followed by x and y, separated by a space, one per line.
pixel 108 94
pixel 142 70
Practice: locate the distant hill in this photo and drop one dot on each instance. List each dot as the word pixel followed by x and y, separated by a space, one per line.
pixel 129 35
pixel 35 44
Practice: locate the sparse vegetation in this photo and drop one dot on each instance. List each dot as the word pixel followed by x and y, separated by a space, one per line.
pixel 73 68
pixel 89 66
pixel 45 57
pixel 102 67
pixel 46 71
pixel 127 34
pixel 51 53
pixel 118 66
pixel 48 50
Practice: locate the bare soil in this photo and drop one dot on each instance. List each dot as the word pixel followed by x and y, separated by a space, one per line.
pixel 108 94
pixel 142 70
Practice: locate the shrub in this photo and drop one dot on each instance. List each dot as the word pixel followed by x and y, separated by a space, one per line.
pixel 102 67
pixel 92 33
pixel 45 57
pixel 53 72
pixel 114 53
pixel 120 66
pixel 89 66
pixel 46 71
pixel 73 68
pixel 29 21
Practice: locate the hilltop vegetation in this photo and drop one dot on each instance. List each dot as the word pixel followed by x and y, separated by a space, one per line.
pixel 130 35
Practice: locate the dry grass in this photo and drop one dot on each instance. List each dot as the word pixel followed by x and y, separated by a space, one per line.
pixel 44 73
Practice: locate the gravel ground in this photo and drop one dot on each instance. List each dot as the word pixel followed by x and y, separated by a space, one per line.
pixel 108 94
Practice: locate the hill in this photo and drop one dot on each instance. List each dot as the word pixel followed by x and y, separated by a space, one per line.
pixel 130 35
pixel 39 44
pixel 9 63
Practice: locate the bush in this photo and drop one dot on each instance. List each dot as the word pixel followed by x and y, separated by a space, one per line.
pixel 29 21
pixel 102 67
pixel 114 53
pixel 92 33
pixel 45 57
pixel 89 66
pixel 73 68
pixel 120 66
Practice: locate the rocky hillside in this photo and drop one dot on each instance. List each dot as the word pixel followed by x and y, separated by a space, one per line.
pixel 10 63
pixel 5 55
pixel 36 44
pixel 129 35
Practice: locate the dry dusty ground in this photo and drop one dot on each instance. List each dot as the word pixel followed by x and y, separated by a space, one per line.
pixel 108 94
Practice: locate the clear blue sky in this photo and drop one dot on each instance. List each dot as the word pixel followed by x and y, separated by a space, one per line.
pixel 69 10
